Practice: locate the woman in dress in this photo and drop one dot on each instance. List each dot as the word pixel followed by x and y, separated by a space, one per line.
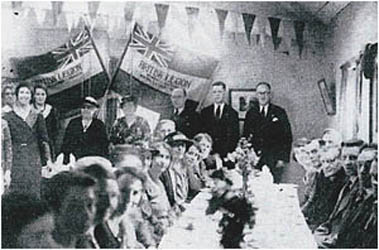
pixel 29 142
pixel 49 113
pixel 162 157
pixel 131 128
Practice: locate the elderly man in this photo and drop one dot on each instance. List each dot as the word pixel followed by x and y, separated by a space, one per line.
pixel 325 189
pixel 220 121
pixel 327 233
pixel 164 127
pixel 270 131
pixel 359 227
pixel 187 120
pixel 85 135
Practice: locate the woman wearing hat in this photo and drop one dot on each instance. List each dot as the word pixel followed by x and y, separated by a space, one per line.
pixel 85 135
pixel 129 129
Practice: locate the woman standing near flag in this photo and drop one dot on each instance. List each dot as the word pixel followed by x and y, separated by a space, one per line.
pixel 29 142
pixel 130 129
pixel 49 113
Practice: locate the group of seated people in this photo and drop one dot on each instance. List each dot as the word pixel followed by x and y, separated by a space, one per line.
pixel 340 194
pixel 129 197
pixel 126 201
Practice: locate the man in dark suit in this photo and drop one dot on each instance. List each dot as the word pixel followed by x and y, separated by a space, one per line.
pixel 220 121
pixel 186 119
pixel 269 130
pixel 359 228
pixel 328 232
pixel 85 135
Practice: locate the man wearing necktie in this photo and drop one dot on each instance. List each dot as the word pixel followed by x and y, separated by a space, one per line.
pixel 220 121
pixel 269 130
pixel 186 119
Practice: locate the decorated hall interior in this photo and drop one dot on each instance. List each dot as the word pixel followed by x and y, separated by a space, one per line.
pixel 189 124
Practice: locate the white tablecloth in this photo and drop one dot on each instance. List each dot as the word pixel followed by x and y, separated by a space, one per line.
pixel 279 221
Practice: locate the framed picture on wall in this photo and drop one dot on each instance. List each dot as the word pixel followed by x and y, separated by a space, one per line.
pixel 327 97
pixel 241 100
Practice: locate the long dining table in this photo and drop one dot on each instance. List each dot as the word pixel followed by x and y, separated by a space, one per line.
pixel 279 221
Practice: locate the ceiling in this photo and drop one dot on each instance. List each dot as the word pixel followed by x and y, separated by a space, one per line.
pixel 306 11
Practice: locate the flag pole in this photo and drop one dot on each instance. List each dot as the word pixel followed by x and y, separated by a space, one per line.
pixel 97 52
pixel 113 78
pixel 121 59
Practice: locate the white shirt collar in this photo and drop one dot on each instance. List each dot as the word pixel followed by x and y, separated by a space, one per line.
pixel 180 110
pixel 265 108
pixel 221 107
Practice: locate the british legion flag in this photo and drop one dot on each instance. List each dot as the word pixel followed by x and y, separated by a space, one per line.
pixel 65 66
pixel 73 50
pixel 151 47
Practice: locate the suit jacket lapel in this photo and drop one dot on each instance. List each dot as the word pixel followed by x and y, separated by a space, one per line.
pixel 269 111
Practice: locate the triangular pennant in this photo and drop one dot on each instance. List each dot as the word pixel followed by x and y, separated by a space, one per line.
pixel 57 10
pixel 286 33
pixel 162 10
pixel 299 32
pixel 129 11
pixel 49 19
pixel 248 20
pixel 40 16
pixel 31 18
pixel 221 15
pixel 192 14
pixel 274 25
pixel 70 20
pixel 93 7
pixel 62 22
pixel 101 23
pixel 16 7
pixel 78 26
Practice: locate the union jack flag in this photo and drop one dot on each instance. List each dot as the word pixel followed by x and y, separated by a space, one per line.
pixel 151 47
pixel 73 49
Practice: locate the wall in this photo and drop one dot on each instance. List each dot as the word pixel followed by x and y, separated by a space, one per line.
pixel 350 31
pixel 294 79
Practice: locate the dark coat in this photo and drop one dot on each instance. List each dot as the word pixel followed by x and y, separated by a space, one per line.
pixel 224 131
pixel 29 148
pixel 323 198
pixel 105 237
pixel 93 142
pixel 327 233
pixel 188 121
pixel 168 185
pixel 271 134
pixel 360 226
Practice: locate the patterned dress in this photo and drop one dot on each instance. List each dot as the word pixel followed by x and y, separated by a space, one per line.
pixel 122 133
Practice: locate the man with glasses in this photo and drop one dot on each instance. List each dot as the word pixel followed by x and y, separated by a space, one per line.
pixel 325 188
pixel 269 130
pixel 85 135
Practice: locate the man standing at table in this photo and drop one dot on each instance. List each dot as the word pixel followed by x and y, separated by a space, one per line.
pixel 220 121
pixel 269 131
pixel 186 119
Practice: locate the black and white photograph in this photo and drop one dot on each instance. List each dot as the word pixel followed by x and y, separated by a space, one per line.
pixel 189 124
